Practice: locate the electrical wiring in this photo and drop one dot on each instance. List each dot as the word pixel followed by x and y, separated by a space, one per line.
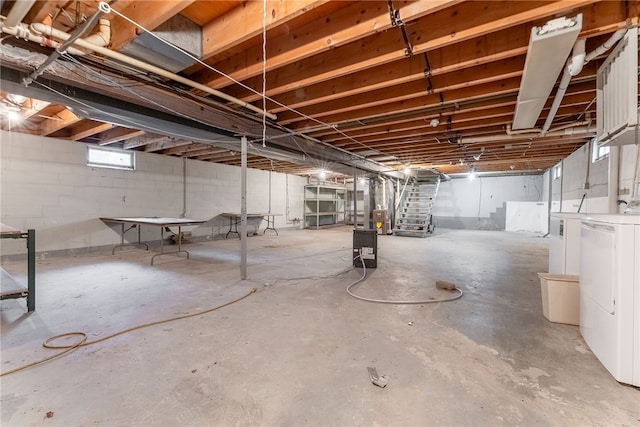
pixel 50 342
pixel 265 97
pixel 397 302
pixel 126 88
pixel 115 116
pixel 330 276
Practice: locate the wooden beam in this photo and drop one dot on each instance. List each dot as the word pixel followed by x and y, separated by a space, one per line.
pixel 165 144
pixel 481 18
pixel 60 120
pixel 485 48
pixel 246 20
pixel 349 24
pixel 82 130
pixel 423 103
pixel 574 105
pixel 466 77
pixel 43 9
pixel 116 134
pixel 143 140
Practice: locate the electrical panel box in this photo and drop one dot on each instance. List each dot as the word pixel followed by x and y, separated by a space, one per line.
pixel 365 247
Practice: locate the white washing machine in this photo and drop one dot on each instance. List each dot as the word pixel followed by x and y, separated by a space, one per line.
pixel 564 243
pixel 610 292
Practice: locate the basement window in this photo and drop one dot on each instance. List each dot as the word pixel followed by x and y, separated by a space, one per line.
pixel 109 158
pixel 598 152
pixel 557 171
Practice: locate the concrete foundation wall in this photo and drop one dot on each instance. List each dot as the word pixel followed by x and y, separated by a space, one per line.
pixel 46 185
pixel 479 204
pixel 578 169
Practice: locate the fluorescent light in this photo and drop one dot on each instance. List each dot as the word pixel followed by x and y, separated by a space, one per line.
pixel 549 48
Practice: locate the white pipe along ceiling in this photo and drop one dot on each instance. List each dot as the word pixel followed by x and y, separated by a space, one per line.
pixel 574 67
pixel 45 30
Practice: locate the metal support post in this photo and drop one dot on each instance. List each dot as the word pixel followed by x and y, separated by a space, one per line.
pixel 243 208
pixel 31 270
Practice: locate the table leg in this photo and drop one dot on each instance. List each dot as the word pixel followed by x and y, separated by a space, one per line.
pixel 271 224
pixel 123 244
pixel 233 222
pixel 162 252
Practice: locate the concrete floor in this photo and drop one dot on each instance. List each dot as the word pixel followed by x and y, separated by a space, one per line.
pixel 297 351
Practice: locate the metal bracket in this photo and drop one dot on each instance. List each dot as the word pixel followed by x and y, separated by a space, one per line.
pixel 396 21
pixel 428 73
pixel 394 14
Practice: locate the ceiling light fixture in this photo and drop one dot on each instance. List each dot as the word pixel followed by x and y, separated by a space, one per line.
pixel 14 116
pixel 472 174
pixel 322 174
pixel 549 48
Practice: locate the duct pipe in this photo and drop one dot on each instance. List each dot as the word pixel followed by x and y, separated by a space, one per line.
pixel 573 68
pixel 355 199
pixel 495 138
pixel 75 35
pixel 18 12
pixel 43 29
pixel 384 192
pixel 22 31
pixel 511 132
pixel 613 178
pixel 606 45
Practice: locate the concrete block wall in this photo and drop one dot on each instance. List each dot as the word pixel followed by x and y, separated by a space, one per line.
pixel 479 204
pixel 46 185
pixel 578 168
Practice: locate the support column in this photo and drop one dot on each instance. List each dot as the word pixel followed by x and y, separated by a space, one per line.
pixel 31 270
pixel 355 199
pixel 243 208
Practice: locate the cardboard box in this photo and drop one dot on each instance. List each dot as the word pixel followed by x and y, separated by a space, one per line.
pixel 560 298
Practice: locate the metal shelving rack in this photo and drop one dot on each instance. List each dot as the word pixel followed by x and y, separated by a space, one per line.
pixel 324 206
pixel 10 288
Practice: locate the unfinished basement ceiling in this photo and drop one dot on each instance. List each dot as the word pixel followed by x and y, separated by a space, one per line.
pixel 375 85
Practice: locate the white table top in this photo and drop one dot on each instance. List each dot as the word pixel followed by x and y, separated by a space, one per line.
pixel 236 214
pixel 7 230
pixel 159 221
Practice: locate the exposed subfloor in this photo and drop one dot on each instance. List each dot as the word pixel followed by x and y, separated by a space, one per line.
pixel 296 352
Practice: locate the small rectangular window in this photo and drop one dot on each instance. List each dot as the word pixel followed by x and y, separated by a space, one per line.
pixel 110 158
pixel 557 171
pixel 598 152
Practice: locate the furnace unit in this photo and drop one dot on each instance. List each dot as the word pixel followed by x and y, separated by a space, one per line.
pixel 381 221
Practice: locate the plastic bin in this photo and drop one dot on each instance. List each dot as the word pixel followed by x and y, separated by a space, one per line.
pixel 560 298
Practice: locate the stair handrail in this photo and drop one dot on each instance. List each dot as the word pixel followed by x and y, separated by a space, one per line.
pixel 406 181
